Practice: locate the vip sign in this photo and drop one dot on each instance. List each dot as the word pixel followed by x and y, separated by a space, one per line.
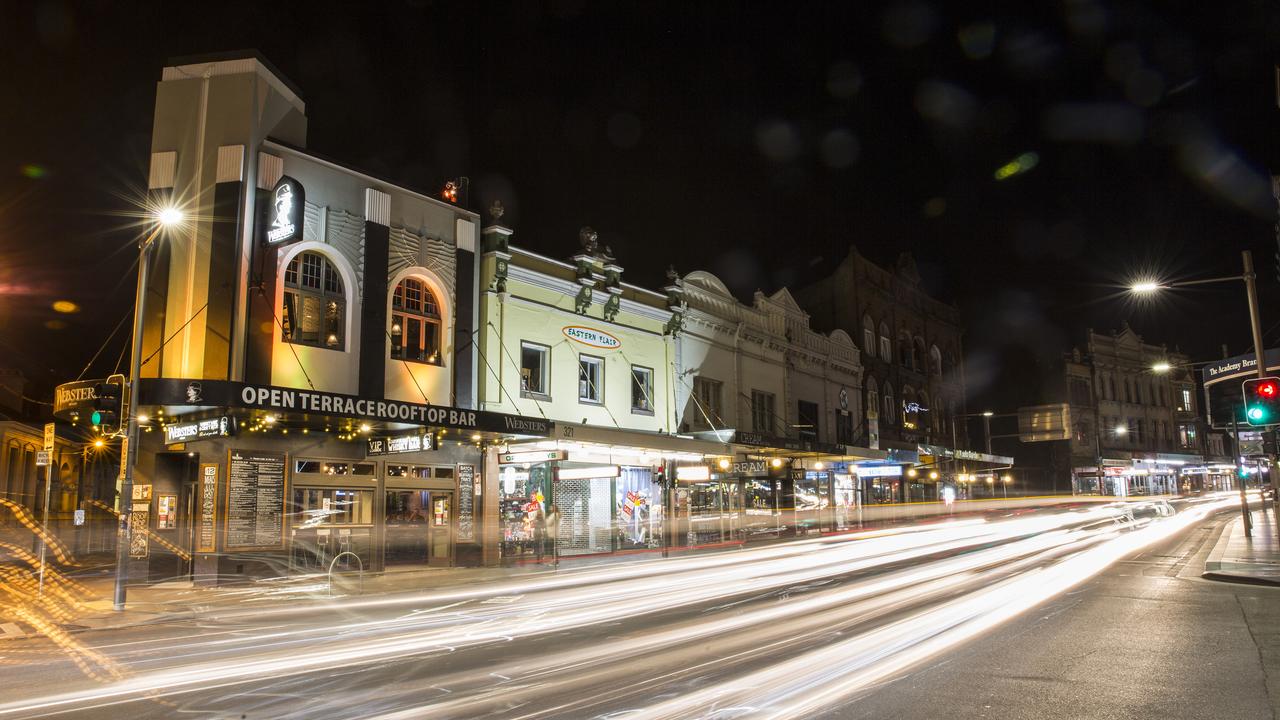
pixel 594 338
pixel 285 213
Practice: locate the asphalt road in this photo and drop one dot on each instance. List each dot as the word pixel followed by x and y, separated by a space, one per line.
pixel 1047 614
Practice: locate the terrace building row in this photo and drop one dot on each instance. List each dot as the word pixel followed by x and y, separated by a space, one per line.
pixel 339 367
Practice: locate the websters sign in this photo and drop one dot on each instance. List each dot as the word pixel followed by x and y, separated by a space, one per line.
pixel 285 213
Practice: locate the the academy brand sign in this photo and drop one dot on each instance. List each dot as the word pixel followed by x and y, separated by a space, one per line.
pixel 221 393
pixel 589 336
pixel 285 212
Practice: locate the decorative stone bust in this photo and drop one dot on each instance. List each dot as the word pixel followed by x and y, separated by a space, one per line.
pixel 589 240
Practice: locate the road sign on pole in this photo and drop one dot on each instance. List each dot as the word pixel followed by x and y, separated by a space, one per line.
pixel 48 437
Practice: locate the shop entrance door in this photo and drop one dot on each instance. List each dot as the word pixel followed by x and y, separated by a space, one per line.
pixel 440 530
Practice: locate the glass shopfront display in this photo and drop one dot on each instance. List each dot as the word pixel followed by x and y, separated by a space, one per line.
pixel 761 515
pixel 845 500
pixel 329 521
pixel 524 492
pixel 813 501
pixel 710 510
pixel 638 507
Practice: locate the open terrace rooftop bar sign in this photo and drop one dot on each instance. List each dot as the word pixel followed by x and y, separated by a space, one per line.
pixel 219 393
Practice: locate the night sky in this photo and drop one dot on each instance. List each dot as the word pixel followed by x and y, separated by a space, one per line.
pixel 755 141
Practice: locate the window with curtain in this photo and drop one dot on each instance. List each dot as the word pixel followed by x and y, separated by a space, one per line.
pixel 314 310
pixel 415 323
pixel 869 335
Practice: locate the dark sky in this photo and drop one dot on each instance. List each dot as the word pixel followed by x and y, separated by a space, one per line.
pixel 754 140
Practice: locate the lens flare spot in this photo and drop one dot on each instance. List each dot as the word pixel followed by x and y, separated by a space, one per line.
pixel 65 306
pixel 33 172
pixel 55 324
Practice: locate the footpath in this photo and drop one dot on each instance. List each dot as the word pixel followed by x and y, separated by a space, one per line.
pixel 1239 558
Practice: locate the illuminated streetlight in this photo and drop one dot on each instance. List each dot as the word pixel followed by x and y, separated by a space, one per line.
pixel 1121 430
pixel 987 413
pixel 911 472
pixel 1161 367
pixel 933 474
pixel 723 463
pixel 1146 286
pixel 169 216
pixel 99 443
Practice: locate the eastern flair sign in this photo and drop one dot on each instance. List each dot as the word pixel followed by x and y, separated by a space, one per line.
pixel 592 337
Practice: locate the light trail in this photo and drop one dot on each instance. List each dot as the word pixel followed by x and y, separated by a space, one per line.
pixel 951 582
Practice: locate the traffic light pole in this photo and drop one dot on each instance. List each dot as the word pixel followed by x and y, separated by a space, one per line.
pixel 1244 500
pixel 1251 287
pixel 131 435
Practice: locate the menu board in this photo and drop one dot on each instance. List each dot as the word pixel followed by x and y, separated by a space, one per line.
pixel 207 523
pixel 466 503
pixel 255 499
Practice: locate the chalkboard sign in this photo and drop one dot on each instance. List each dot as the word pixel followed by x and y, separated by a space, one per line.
pixel 466 503
pixel 255 500
pixel 138 519
pixel 206 537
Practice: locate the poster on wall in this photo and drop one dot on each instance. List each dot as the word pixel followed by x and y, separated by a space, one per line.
pixel 138 546
pixel 206 529
pixel 466 503
pixel 166 512
pixel 255 500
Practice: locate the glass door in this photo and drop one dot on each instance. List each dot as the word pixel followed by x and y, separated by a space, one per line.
pixel 440 533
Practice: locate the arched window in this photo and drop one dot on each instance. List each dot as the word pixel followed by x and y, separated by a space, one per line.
pixel 890 413
pixel 918 354
pixel 873 396
pixel 315 307
pixel 906 352
pixel 869 335
pixel 935 361
pixel 415 323
pixel 886 345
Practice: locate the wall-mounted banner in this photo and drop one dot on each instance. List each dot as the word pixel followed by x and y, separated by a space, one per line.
pixel 413 442
pixel 592 337
pixel 180 432
pixel 225 394
pixel 285 212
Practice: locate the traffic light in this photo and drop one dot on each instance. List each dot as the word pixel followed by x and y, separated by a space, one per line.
pixel 108 405
pixel 1262 401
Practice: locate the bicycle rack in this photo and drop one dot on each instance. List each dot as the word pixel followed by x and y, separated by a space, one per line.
pixel 335 562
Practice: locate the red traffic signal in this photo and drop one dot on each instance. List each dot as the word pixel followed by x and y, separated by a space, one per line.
pixel 1262 401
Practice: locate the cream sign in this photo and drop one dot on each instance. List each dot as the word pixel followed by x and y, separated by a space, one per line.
pixel 594 338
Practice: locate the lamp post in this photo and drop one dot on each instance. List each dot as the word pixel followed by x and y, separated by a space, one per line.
pixel 1005 484
pixel 163 218
pixel 1255 325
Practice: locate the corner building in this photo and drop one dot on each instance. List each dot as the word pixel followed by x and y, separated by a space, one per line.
pixel 308 391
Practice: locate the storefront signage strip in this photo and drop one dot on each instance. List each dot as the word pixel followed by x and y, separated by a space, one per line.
pixel 187 431
pixel 221 393
pixel 415 442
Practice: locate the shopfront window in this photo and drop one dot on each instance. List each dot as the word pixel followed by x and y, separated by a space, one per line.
pixel 314 310
pixel 638 500
pixel 523 493
pixel 760 506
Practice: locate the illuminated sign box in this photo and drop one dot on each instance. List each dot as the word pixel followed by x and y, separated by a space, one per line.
pixel 199 430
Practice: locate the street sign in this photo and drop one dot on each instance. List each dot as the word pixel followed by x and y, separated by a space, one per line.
pixel 48 437
pixel 42 458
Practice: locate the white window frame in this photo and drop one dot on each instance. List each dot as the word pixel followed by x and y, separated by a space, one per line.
pixel 646 390
pixel 545 352
pixel 598 362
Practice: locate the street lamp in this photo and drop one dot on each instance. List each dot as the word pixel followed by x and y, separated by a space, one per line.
pixel 1161 367
pixel 164 218
pixel 1006 480
pixel 1255 321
